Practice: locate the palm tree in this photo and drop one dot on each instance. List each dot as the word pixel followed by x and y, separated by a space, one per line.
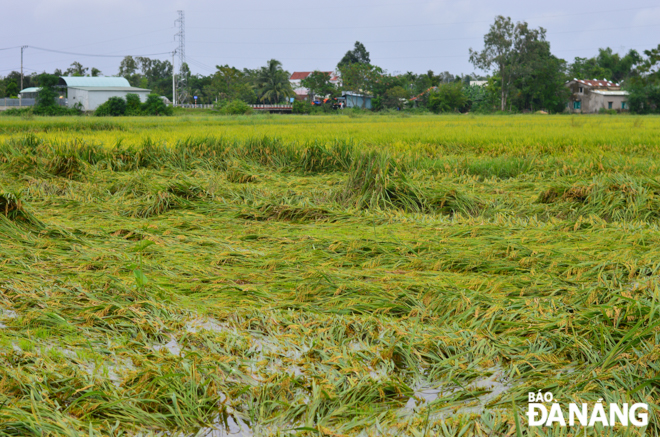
pixel 273 82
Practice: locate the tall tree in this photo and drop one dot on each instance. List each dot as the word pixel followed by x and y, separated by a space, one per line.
pixel 76 69
pixel 540 79
pixel 515 52
pixel 644 88
pixel 272 82
pixel 606 65
pixel 129 69
pixel 318 82
pixel 227 81
pixel 362 79
pixel 498 53
pixel 359 55
pixel 47 93
pixel 11 89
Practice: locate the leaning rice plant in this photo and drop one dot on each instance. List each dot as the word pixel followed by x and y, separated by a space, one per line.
pixel 239 175
pixel 187 190
pixel 375 181
pixel 453 201
pixel 267 151
pixel 296 214
pixel 316 158
pixel 611 197
pixel 501 167
pixel 13 208
pixel 160 203
pixel 66 165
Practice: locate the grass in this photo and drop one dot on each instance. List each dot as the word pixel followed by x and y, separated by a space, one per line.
pixel 322 275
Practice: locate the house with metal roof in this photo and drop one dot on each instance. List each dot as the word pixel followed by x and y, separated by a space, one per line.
pixel 592 95
pixel 353 99
pixel 29 93
pixel 92 92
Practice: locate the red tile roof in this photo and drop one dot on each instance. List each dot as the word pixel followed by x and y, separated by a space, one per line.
pixel 300 75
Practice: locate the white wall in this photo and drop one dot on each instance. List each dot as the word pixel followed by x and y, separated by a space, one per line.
pixel 93 99
pixel 77 96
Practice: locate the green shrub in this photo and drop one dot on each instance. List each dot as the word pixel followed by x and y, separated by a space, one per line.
pixel 113 107
pixel 324 108
pixel 155 106
pixel 302 107
pixel 47 111
pixel 448 98
pixel 133 104
pixel 234 107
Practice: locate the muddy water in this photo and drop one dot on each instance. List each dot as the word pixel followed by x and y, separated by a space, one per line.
pixel 496 383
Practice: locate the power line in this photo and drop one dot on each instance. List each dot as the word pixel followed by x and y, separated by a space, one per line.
pixel 201 65
pixel 123 37
pixel 93 55
pixel 122 21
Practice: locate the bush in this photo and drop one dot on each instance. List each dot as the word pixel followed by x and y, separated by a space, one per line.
pixel 448 98
pixel 47 93
pixel 155 106
pixel 47 111
pixel 324 108
pixel 133 104
pixel 393 97
pixel 607 111
pixel 113 107
pixel 302 107
pixel 644 99
pixel 116 106
pixel 234 107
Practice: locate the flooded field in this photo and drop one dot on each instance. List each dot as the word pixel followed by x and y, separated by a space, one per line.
pixel 241 282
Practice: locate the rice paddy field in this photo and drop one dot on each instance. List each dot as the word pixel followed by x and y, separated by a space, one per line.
pixel 326 276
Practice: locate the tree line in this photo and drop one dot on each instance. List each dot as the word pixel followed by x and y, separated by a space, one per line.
pixel 520 71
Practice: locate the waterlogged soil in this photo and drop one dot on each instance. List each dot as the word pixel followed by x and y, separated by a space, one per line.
pixel 261 287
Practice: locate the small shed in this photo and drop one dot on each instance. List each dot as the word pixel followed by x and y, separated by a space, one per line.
pixel 92 92
pixel 356 100
pixel 29 93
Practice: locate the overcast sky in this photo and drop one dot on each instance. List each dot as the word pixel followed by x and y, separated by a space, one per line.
pixel 414 35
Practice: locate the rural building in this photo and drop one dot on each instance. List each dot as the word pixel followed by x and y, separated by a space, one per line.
pixel 355 100
pixel 302 93
pixel 91 92
pixel 29 93
pixel 590 96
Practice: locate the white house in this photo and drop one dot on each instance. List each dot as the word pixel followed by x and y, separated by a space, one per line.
pixel 302 93
pixel 91 92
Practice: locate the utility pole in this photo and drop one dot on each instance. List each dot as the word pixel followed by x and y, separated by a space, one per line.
pixel 173 81
pixel 22 48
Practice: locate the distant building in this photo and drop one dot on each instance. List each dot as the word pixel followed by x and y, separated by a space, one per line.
pixel 28 97
pixel 478 83
pixel 355 100
pixel 29 93
pixel 592 95
pixel 91 92
pixel 297 77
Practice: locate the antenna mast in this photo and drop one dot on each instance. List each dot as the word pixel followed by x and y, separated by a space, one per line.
pixel 182 83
